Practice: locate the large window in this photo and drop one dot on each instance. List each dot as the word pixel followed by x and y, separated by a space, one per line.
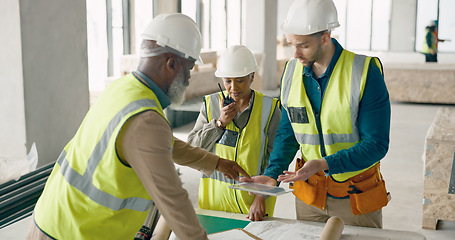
pixel 113 27
pixel 364 24
pixel 220 21
pixel 97 44
pixel 442 11
pixel 380 25
pixel 118 36
pixel 143 14
pixel 446 25
pixel 234 22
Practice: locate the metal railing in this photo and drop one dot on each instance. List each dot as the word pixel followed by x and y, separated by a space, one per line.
pixel 18 198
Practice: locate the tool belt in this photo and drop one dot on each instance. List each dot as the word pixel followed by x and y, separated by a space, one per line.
pixel 366 190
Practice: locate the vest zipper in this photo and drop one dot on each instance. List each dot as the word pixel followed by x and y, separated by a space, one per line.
pixel 237 147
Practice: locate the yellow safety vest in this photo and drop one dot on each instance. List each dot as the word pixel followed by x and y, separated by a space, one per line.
pixel 425 48
pixel 90 193
pixel 339 109
pixel 247 147
pixel 338 118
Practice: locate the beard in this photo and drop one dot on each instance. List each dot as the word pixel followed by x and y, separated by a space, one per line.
pixel 316 57
pixel 176 92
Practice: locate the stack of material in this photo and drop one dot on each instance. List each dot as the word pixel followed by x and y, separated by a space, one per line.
pixel 424 83
pixel 439 180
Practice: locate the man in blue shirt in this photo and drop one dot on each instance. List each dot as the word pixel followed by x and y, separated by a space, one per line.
pixel 336 109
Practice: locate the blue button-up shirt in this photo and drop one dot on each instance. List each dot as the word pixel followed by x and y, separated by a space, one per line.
pixel 373 123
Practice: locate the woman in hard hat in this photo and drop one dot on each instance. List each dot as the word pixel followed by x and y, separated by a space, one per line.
pixel 336 111
pixel 238 124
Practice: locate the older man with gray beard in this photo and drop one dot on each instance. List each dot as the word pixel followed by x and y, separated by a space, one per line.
pixel 121 160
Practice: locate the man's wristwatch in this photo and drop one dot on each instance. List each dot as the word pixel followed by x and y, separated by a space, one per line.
pixel 219 124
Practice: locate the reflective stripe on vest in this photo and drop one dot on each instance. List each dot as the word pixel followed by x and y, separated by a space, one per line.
pixel 343 94
pixel 84 182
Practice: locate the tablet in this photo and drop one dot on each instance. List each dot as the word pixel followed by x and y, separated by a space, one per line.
pixel 260 188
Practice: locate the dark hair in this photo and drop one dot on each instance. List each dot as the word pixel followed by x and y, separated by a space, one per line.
pixel 319 34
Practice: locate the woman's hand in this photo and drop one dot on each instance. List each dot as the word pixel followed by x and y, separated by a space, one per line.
pixel 257 209
pixel 228 113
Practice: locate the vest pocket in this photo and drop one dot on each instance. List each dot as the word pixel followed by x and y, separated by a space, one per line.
pixel 229 138
pixel 298 115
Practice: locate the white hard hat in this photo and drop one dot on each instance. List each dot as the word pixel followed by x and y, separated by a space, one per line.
pixel 431 23
pixel 236 61
pixel 306 17
pixel 178 32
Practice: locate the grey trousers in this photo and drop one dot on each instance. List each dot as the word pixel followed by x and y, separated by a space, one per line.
pixel 34 233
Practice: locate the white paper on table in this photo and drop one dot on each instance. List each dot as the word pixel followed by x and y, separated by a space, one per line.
pixel 233 234
pixel 278 230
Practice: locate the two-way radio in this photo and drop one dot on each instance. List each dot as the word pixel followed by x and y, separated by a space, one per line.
pixel 228 100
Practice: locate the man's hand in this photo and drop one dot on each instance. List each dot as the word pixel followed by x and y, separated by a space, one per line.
pixel 260 179
pixel 308 169
pixel 231 169
pixel 257 209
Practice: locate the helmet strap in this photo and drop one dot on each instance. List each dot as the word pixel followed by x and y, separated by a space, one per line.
pixel 161 50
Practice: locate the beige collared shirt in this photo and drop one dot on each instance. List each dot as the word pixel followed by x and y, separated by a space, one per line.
pixel 145 143
pixel 205 134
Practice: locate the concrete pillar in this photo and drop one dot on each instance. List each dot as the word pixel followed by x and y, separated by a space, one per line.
pixel 44 88
pixel 260 36
pixel 403 25
pixel 12 120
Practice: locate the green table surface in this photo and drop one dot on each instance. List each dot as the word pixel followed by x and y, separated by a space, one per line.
pixel 219 224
